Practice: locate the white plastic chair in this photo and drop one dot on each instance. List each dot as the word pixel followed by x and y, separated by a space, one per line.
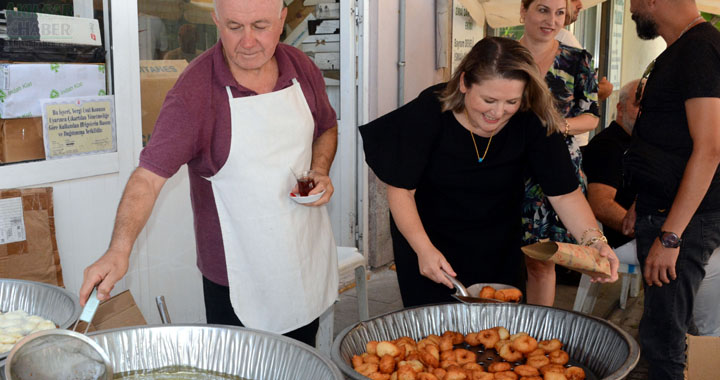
pixel 629 271
pixel 349 260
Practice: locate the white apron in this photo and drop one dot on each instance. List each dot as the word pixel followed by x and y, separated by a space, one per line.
pixel 281 256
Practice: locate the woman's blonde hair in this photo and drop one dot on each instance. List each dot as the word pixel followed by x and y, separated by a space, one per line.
pixel 497 57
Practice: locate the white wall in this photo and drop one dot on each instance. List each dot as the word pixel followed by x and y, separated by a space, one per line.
pixel 636 53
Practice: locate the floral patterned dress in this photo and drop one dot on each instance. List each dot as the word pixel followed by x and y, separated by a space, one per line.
pixel 573 83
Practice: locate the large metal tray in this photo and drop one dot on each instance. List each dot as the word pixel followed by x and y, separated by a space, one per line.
pixel 598 345
pixel 48 301
pixel 242 352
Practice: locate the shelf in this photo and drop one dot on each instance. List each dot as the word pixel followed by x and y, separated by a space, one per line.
pixel 63 169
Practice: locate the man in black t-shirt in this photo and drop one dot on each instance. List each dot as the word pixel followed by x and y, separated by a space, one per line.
pixel 673 166
pixel 609 198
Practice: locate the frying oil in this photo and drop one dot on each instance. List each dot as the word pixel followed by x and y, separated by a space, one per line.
pixel 176 373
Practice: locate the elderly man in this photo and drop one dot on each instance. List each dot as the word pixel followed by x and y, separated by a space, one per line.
pixel 602 162
pixel 673 165
pixel 242 116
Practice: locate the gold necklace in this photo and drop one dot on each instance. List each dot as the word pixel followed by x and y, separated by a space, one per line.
pixel 472 135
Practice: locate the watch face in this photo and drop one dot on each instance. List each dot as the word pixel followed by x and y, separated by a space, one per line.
pixel 670 240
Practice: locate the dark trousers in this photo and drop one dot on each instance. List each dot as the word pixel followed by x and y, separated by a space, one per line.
pixel 667 313
pixel 219 311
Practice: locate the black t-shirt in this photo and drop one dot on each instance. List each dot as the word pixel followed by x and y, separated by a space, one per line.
pixel 687 69
pixel 470 210
pixel 602 162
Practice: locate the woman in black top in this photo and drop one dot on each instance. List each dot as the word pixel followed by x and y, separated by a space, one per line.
pixel 453 160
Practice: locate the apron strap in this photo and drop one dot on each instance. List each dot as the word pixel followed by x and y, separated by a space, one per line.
pixel 230 96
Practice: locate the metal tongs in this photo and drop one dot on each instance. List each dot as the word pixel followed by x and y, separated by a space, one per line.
pixel 463 295
pixel 88 312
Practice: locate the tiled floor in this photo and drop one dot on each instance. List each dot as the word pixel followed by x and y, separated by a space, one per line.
pixel 384 297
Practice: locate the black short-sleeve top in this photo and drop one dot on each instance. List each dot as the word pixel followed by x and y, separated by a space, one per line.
pixel 420 147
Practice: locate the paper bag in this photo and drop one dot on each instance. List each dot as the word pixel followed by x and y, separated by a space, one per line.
pixel 34 258
pixel 585 260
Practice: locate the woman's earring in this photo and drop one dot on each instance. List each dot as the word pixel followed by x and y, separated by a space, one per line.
pixel 522 19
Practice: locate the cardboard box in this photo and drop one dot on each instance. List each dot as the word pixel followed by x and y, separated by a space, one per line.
pixel 33 257
pixel 156 79
pixel 21 140
pixel 22 84
pixel 118 311
pixel 702 354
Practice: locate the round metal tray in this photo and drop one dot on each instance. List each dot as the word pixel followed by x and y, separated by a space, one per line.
pixel 237 351
pixel 48 301
pixel 596 344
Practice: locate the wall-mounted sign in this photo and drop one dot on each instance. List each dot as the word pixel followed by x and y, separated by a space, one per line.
pixel 79 126
pixel 465 33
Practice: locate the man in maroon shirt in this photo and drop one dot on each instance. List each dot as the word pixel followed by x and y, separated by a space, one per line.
pixel 219 103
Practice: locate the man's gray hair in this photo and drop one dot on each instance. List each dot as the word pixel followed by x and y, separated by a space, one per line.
pixel 627 91
pixel 281 4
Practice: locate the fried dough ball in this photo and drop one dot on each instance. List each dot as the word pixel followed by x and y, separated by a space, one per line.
pixel 575 373
pixel 388 348
pixel 426 376
pixel 371 347
pixel 550 345
pixel 537 361
pixel 439 373
pixel 379 376
pixel 508 353
pixel 455 336
pixel 526 370
pixel 487 292
pixel 506 375
pixel 430 355
pixel 366 369
pixel 414 364
pixel 357 361
pixel 448 363
pixel 501 343
pixel 446 343
pixel 510 295
pixel 473 367
pixel 559 357
pixel 499 367
pixel 482 376
pixel 405 339
pixel 531 378
pixel 518 335
pixel 464 356
pixel 524 344
pixel 455 373
pixel 488 338
pixel 448 355
pixel 434 338
pixel 387 364
pixel 406 373
pixel 413 356
pixel 557 368
pixel 503 332
pixel 371 358
pixel 554 376
pixel 472 339
pixel 537 351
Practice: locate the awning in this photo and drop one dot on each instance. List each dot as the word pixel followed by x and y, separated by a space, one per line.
pixel 709 6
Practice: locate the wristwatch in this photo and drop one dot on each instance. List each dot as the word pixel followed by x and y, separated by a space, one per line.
pixel 669 239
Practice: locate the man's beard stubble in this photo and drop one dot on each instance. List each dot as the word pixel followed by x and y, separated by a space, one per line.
pixel 647 29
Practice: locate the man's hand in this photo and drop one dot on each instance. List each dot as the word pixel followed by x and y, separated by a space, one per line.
pixel 432 264
pixel 660 264
pixel 322 182
pixel 628 224
pixel 104 273
pixel 605 88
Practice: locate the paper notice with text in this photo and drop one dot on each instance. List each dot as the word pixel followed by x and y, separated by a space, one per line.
pixel 12 225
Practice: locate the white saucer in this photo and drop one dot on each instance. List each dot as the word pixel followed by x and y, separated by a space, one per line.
pixel 309 199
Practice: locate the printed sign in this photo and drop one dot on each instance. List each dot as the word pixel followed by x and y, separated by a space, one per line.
pixel 12 225
pixel 78 126
pixel 465 33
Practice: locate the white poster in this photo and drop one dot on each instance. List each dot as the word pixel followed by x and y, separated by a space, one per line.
pixel 465 33
pixel 12 225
